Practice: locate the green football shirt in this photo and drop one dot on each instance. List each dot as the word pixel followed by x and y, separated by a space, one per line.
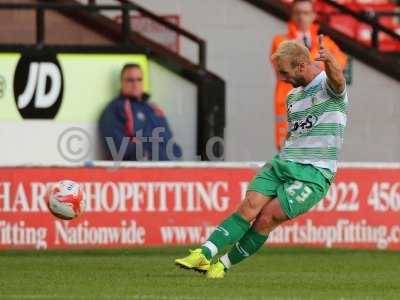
pixel 317 119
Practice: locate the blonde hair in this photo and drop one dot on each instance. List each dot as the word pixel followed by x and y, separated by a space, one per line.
pixel 292 50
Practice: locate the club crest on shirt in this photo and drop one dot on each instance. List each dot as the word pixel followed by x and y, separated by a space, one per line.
pixel 313 100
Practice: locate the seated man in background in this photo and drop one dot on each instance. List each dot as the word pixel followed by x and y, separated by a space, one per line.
pixel 303 28
pixel 132 127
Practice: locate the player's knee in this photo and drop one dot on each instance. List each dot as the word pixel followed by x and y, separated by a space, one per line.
pixel 265 222
pixel 252 205
pixel 247 212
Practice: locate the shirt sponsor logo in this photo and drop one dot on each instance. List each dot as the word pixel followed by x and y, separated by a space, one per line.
pixel 304 125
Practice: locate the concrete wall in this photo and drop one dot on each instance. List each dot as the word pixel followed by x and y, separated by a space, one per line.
pixel 178 98
pixel 373 132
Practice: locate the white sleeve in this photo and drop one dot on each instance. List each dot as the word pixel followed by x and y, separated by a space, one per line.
pixel 333 94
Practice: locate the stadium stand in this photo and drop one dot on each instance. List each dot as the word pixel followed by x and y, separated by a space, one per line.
pixel 383 12
pixel 368 30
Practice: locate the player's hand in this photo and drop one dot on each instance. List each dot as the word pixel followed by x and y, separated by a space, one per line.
pixel 336 80
pixel 324 54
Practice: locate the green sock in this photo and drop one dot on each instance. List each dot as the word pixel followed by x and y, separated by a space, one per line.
pixel 249 244
pixel 228 232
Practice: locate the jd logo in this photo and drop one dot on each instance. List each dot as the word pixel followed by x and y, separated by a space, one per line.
pixel 38 86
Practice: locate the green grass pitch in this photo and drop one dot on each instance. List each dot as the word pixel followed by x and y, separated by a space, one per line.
pixel 150 274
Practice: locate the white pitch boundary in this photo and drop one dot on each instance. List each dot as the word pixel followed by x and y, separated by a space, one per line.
pixel 246 165
pixel 196 164
pixel 369 165
pixel 179 164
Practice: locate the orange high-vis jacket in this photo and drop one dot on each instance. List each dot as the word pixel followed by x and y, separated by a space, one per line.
pixel 282 89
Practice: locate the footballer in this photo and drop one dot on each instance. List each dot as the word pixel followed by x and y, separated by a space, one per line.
pixel 299 176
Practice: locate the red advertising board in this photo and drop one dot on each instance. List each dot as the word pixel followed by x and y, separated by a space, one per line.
pixel 153 206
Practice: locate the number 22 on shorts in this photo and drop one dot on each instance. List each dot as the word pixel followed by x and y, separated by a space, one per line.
pixel 296 187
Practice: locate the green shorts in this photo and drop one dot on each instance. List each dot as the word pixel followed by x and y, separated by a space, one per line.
pixel 298 187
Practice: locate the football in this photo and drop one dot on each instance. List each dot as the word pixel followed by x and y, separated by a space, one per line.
pixel 65 200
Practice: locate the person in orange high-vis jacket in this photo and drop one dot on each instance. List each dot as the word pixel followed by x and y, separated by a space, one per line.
pixel 301 28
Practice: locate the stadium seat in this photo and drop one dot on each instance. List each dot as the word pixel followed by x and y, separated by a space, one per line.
pixel 358 30
pixel 345 24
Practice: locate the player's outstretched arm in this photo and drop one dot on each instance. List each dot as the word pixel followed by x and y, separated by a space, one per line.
pixel 336 80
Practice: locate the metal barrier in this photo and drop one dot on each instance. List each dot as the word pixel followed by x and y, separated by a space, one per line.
pixel 126 7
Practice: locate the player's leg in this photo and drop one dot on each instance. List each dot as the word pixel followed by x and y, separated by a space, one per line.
pixel 227 233
pixel 271 216
pixel 262 190
pixel 236 225
pixel 303 186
